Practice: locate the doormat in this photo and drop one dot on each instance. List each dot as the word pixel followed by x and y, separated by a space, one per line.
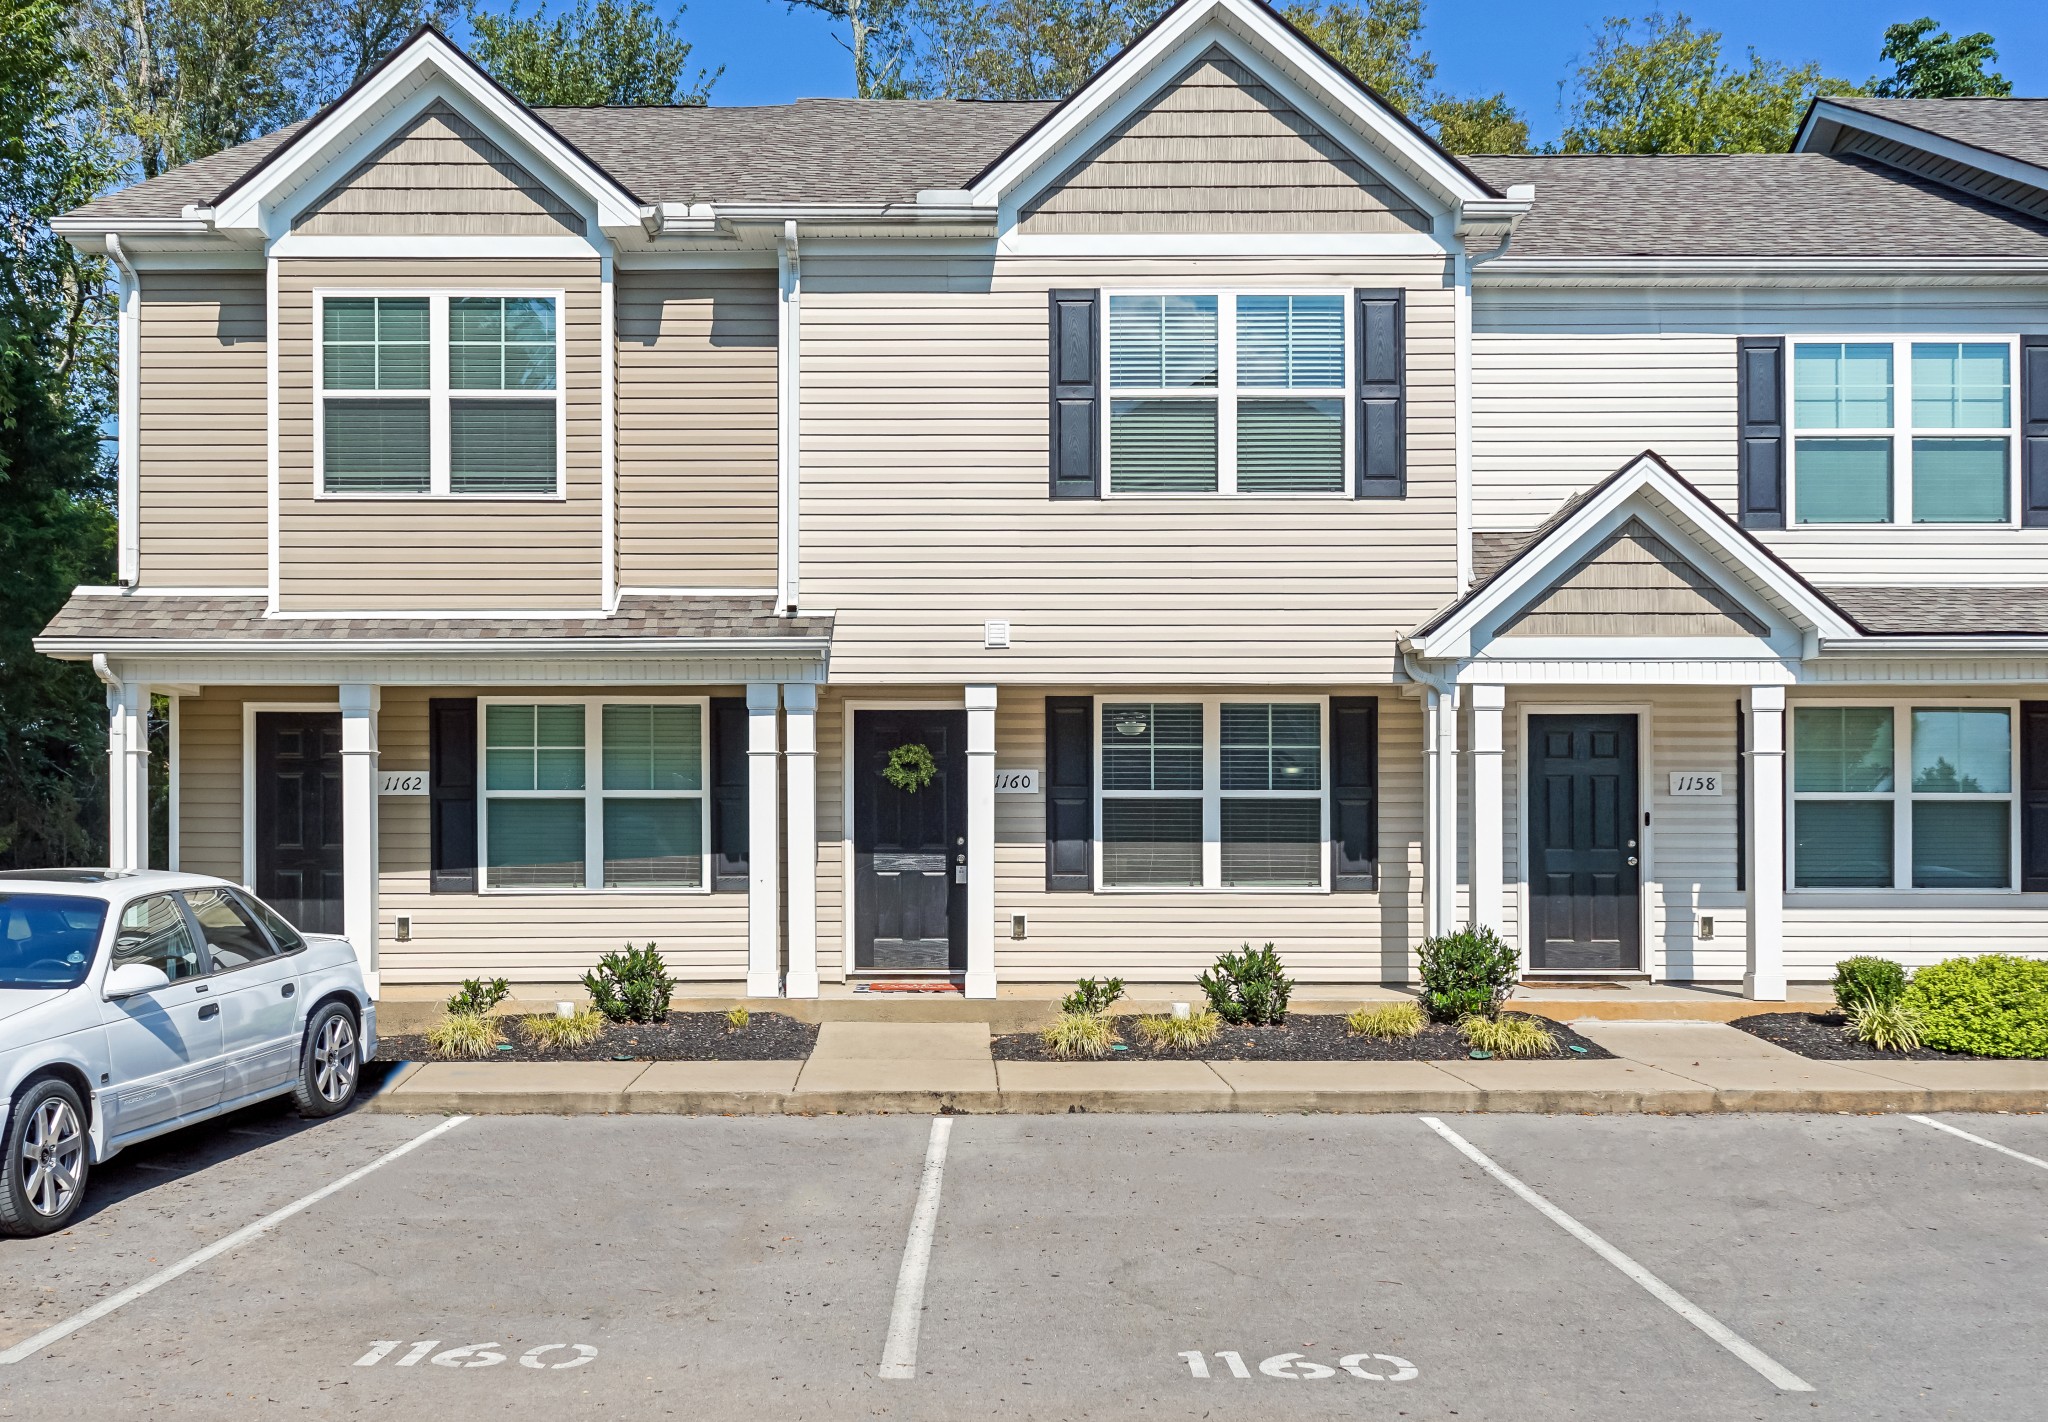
pixel 953 988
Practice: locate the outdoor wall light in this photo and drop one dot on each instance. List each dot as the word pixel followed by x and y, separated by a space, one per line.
pixel 1131 726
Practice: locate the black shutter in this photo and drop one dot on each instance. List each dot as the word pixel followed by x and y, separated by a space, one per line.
pixel 1075 368
pixel 729 866
pixel 1760 413
pixel 451 794
pixel 1069 794
pixel 2034 431
pixel 1382 394
pixel 1741 798
pixel 1354 794
pixel 2034 796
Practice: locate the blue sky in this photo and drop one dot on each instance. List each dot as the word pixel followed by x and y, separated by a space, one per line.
pixel 771 55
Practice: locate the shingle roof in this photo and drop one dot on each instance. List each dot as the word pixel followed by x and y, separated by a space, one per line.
pixel 199 181
pixel 1750 205
pixel 1945 611
pixel 91 617
pixel 2017 128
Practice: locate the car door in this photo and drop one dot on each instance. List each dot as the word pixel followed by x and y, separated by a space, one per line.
pixel 163 1046
pixel 257 989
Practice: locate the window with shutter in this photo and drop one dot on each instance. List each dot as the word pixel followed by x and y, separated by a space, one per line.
pixel 1760 416
pixel 1074 418
pixel 1382 455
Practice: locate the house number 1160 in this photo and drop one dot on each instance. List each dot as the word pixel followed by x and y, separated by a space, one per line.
pixel 1294 1367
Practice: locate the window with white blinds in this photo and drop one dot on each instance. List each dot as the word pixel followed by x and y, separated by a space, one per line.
pixel 439 394
pixel 1230 394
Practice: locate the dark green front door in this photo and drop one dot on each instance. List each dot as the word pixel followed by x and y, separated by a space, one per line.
pixel 1585 834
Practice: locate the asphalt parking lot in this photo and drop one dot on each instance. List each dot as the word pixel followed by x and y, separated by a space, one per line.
pixel 1071 1266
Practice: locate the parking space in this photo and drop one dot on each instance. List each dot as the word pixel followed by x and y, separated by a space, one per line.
pixel 1187 1266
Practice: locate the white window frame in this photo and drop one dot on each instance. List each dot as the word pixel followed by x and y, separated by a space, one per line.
pixel 437 394
pixel 1227 392
pixel 593 793
pixel 1212 794
pixel 1902 795
pixel 1902 431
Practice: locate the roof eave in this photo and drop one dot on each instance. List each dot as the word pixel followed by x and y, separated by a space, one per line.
pixel 70 648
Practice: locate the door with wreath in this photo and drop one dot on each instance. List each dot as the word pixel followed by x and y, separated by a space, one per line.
pixel 910 841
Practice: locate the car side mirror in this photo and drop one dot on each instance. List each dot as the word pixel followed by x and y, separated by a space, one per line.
pixel 132 978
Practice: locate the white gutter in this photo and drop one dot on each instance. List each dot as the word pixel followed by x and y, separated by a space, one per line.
pixel 128 473
pixel 788 416
pixel 1898 645
pixel 98 649
pixel 103 671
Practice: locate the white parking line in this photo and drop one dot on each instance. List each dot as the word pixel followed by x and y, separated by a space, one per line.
pixel 219 1247
pixel 1979 1140
pixel 1678 1303
pixel 899 1352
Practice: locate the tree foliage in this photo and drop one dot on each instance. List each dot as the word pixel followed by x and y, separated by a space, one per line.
pixel 1927 65
pixel 1480 125
pixel 1380 43
pixel 1657 85
pixel 1015 49
pixel 878 35
pixel 600 52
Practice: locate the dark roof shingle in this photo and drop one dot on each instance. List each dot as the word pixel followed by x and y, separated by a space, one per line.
pixel 2017 128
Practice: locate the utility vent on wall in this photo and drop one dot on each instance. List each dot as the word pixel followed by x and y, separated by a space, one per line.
pixel 995 634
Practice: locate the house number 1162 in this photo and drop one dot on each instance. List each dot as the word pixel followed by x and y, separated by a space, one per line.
pixel 1294 1367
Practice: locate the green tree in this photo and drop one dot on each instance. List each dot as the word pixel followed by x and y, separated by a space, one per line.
pixel 1015 49
pixel 878 35
pixel 1380 43
pixel 1660 86
pixel 1483 125
pixel 56 358
pixel 1926 65
pixel 605 52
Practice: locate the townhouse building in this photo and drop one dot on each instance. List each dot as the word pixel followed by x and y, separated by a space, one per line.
pixel 1002 542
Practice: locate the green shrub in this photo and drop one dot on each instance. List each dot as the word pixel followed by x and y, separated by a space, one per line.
pixel 464 1034
pixel 633 986
pixel 1079 1034
pixel 1888 1026
pixel 1093 995
pixel 1181 1034
pixel 478 997
pixel 1509 1035
pixel 580 1029
pixel 1877 980
pixel 1387 1020
pixel 1467 974
pixel 1248 988
pixel 1993 1006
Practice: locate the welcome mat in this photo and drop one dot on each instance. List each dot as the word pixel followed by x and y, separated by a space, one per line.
pixel 953 988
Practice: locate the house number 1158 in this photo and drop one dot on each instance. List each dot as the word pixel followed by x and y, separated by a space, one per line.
pixel 1294 1367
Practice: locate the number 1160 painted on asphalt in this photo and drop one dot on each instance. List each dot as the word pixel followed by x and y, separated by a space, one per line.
pixel 1294 1367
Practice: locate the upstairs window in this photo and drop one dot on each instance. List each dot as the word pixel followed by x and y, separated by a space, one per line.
pixel 1902 432
pixel 440 394
pixel 1229 394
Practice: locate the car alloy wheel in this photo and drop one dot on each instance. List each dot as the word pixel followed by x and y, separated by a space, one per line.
pixel 334 1059
pixel 52 1149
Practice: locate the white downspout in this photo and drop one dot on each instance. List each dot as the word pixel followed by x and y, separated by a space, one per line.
pixel 788 399
pixel 128 483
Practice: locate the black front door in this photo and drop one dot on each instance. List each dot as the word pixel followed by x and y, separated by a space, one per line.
pixel 298 816
pixel 910 846
pixel 1585 834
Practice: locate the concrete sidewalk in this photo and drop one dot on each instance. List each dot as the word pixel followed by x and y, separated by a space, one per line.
pixel 929 1067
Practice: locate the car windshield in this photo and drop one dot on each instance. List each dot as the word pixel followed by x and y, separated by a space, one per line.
pixel 47 940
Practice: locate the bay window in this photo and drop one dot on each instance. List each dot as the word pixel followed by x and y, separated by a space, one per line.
pixel 594 795
pixel 439 394
pixel 1891 796
pixel 1902 431
pixel 1211 794
pixel 1231 394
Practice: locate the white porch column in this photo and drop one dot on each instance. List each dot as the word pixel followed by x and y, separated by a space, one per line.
pixel 764 967
pixel 128 776
pixel 1765 979
pixel 359 824
pixel 1489 843
pixel 800 730
pixel 1440 802
pixel 981 841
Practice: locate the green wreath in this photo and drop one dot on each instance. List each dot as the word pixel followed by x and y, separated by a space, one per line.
pixel 910 768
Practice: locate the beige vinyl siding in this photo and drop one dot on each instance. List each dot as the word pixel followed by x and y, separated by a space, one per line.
pixel 201 440
pixel 439 176
pixel 422 552
pixel 1568 387
pixel 210 779
pixel 1634 585
pixel 925 507
pixel 1154 937
pixel 697 429
pixel 1217 150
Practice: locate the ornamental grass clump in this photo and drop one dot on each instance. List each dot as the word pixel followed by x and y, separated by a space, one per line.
pixel 1466 974
pixel 1993 1006
pixel 1509 1035
pixel 1887 1026
pixel 550 1030
pixel 464 1034
pixel 1180 1034
pixel 1247 988
pixel 1387 1021
pixel 1076 1036
pixel 737 1019
pixel 1872 980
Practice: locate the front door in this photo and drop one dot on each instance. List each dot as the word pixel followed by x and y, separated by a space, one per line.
pixel 910 845
pixel 298 816
pixel 1585 832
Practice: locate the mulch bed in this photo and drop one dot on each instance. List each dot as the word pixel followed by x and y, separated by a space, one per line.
pixel 685 1037
pixel 1819 1035
pixel 1303 1037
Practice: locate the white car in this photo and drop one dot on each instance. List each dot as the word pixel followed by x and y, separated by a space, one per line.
pixel 135 1003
